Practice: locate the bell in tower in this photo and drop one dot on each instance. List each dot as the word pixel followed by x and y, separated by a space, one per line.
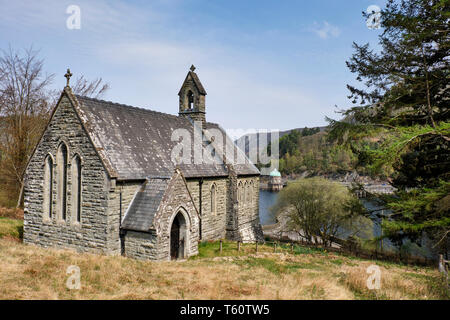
pixel 192 98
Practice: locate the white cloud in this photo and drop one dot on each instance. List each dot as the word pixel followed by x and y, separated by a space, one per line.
pixel 145 60
pixel 234 87
pixel 326 30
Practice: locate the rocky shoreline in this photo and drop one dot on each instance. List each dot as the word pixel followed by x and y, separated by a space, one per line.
pixel 374 186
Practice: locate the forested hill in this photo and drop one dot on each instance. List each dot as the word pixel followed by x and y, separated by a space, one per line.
pixel 263 138
pixel 307 149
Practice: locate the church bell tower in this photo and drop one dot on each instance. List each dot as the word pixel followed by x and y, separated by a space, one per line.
pixel 192 98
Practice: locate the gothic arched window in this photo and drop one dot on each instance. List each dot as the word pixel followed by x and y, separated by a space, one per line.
pixel 76 189
pixel 61 164
pixel 213 199
pixel 239 193
pixel 48 187
pixel 244 193
pixel 250 193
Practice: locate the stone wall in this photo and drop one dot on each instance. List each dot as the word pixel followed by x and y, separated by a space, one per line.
pixel 213 223
pixel 239 216
pixel 93 232
pixel 248 223
pixel 155 244
pixel 141 245
pixel 243 222
pixel 120 196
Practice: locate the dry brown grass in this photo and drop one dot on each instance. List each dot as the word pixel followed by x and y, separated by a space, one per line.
pixel 31 272
pixel 13 213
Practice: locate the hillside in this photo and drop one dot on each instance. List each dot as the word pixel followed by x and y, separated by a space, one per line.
pixel 307 151
pixel 263 138
pixel 30 272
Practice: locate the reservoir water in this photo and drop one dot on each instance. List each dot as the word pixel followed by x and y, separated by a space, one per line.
pixel 267 199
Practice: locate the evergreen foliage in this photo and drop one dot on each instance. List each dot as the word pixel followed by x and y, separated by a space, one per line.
pixel 399 124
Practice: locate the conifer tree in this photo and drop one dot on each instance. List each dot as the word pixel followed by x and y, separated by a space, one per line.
pixel 399 122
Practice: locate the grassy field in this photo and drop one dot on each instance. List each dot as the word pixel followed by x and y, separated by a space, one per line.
pixel 11 228
pixel 30 272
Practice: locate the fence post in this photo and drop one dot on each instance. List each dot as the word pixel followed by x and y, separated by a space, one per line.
pixel 275 247
pixel 220 246
pixel 256 250
pixel 292 247
pixel 443 267
pixel 239 245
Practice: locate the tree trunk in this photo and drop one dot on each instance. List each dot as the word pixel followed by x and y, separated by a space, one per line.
pixel 19 200
pixel 429 110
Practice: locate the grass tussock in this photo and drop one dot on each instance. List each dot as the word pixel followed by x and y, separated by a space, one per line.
pixel 31 272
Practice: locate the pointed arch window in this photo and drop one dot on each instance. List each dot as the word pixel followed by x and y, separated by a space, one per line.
pixel 48 187
pixel 239 193
pixel 249 193
pixel 76 189
pixel 213 198
pixel 244 193
pixel 61 164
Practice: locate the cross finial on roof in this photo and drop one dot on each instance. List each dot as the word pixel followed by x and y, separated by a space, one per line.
pixel 192 68
pixel 68 75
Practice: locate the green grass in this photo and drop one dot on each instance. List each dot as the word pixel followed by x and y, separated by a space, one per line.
pixel 268 264
pixel 11 228
pixel 211 249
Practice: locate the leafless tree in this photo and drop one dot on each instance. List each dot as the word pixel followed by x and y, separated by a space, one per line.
pixel 24 107
pixel 25 103
pixel 95 88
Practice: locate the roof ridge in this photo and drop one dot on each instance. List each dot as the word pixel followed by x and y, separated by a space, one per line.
pixel 117 104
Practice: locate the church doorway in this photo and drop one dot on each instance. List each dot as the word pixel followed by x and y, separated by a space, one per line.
pixel 177 237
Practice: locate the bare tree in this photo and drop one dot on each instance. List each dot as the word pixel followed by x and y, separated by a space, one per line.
pixel 25 103
pixel 24 107
pixel 95 88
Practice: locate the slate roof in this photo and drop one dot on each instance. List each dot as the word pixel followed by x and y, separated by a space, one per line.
pixel 136 143
pixel 142 210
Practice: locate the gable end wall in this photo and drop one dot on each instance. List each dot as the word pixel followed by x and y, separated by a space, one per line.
pixel 92 234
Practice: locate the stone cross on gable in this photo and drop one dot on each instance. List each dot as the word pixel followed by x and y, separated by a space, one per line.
pixel 192 68
pixel 68 75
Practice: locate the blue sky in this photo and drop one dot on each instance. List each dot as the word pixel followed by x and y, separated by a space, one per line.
pixel 265 64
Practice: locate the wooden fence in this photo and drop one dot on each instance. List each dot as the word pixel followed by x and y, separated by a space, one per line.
pixel 275 245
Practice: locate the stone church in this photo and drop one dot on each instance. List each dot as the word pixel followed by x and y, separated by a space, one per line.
pixel 103 179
